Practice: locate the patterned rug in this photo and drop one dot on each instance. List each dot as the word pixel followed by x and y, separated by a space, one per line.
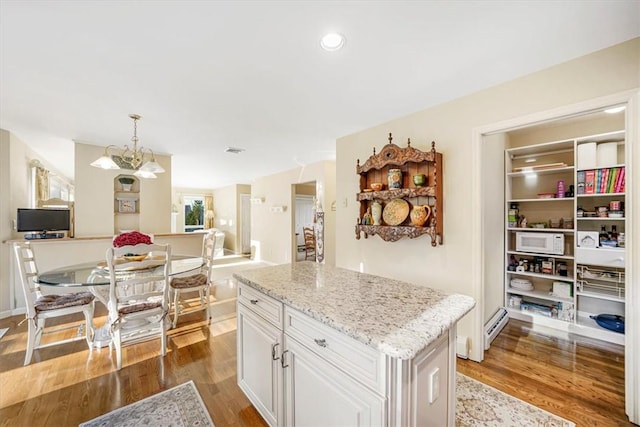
pixel 481 405
pixel 178 406
pixel 478 405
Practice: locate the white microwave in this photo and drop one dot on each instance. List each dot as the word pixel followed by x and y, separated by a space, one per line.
pixel 544 243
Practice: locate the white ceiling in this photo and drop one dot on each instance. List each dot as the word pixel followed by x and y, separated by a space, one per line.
pixel 206 75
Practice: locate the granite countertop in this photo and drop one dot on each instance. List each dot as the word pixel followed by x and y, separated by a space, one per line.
pixel 397 318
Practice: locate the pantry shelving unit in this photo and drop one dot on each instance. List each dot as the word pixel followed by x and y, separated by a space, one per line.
pixel 591 280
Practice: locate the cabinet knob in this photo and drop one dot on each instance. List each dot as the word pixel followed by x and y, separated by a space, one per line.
pixel 321 342
pixel 253 301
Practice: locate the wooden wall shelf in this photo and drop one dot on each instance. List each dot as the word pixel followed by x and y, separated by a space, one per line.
pixel 410 161
pixel 390 233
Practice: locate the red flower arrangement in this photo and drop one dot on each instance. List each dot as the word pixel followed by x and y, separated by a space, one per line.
pixel 131 238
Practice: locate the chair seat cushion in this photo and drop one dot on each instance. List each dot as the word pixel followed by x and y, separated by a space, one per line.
pixel 194 281
pixel 134 308
pixel 55 302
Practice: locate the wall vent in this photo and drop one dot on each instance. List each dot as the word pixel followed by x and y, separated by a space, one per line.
pixel 234 150
pixel 494 326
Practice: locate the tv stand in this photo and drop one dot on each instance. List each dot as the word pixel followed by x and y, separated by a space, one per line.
pixel 43 235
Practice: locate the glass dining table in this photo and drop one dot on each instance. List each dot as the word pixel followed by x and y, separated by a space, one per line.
pixel 95 276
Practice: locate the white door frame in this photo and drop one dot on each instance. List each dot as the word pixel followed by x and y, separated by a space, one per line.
pixel 632 161
pixel 245 223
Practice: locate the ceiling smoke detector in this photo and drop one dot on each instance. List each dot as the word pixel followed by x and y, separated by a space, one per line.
pixel 233 150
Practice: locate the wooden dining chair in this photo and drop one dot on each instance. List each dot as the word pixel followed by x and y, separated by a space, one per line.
pixel 200 283
pixel 41 307
pixel 309 243
pixel 138 295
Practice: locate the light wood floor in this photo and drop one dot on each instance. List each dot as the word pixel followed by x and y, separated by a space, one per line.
pixel 581 380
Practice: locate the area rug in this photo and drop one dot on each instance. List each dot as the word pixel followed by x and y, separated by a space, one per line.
pixel 481 405
pixel 180 406
pixel 478 405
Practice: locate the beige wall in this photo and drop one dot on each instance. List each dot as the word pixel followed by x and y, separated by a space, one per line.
pixel 15 178
pixel 5 221
pixel 227 211
pixel 225 208
pixel 493 189
pixel 94 196
pixel 241 189
pixel 451 126
pixel 272 233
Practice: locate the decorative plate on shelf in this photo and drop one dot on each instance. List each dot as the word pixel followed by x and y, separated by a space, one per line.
pixel 135 257
pixel 395 212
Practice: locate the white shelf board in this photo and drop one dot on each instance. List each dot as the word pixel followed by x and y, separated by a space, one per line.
pixel 542 199
pixel 552 326
pixel 538 294
pixel 600 296
pixel 546 171
pixel 528 316
pixel 613 136
pixel 569 257
pixel 541 149
pixel 543 230
pixel 595 218
pixel 586 326
pixel 542 276
pixel 580 196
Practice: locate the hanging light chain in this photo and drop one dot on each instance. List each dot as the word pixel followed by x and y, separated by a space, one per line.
pixel 136 156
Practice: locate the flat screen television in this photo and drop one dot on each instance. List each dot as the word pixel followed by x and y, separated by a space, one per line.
pixel 43 221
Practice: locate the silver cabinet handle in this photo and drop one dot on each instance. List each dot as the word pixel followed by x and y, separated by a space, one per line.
pixel 253 301
pixel 321 342
pixel 282 362
pixel 273 351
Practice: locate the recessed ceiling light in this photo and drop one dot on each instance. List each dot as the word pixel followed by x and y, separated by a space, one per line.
pixel 332 41
pixel 615 109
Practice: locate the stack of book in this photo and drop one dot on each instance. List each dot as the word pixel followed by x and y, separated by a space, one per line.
pixel 603 180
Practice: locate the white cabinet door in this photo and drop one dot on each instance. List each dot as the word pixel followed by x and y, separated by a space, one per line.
pixel 318 394
pixel 259 370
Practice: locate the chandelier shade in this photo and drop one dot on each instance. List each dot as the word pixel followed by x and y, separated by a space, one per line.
pixel 104 161
pixel 144 174
pixel 130 158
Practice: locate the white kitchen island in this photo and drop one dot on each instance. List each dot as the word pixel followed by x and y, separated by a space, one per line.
pixel 324 346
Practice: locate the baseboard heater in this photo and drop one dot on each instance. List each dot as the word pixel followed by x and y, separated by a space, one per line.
pixel 494 326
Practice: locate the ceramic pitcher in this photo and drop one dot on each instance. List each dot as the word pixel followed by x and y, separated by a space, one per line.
pixel 376 212
pixel 420 214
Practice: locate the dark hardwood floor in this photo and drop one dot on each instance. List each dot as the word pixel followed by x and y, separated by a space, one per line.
pixel 581 380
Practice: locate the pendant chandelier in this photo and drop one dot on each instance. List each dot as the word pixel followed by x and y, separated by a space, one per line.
pixel 130 158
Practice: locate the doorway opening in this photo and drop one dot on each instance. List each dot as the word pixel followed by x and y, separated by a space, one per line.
pixel 495 147
pixel 303 218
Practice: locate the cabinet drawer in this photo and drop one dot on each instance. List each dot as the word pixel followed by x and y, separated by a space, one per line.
pixel 601 256
pixel 356 359
pixel 267 307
